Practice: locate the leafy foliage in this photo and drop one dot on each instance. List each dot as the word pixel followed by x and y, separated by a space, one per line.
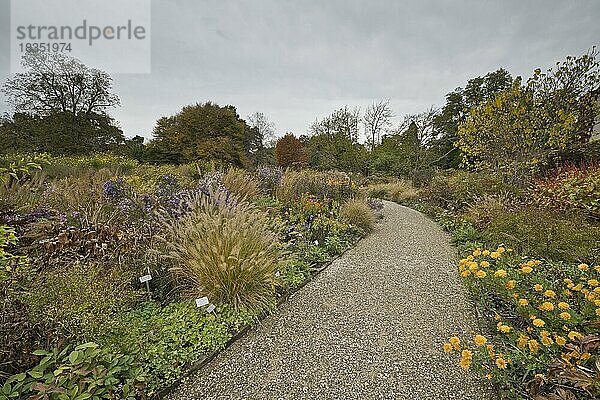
pixel 168 339
pixel 84 372
pixel 575 190
pixel 527 128
pixel 290 152
pixel 201 132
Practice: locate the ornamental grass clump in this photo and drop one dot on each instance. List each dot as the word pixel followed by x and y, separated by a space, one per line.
pixel 358 213
pixel 227 250
pixel 240 183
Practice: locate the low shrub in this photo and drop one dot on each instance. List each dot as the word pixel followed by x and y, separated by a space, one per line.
pixel 335 186
pixel 80 300
pixel 483 210
pixel 168 339
pixel 399 192
pixel 84 372
pixel 544 234
pixel 460 189
pixel 358 213
pixel 269 178
pixel 571 190
pixel 225 250
pixel 462 231
pixel 294 273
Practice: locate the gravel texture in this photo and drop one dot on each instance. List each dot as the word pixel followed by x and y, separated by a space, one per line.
pixel 371 326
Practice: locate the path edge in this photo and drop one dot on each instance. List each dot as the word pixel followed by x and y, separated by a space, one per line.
pixel 245 329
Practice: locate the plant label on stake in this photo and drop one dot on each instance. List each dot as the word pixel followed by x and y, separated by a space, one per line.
pixel 146 279
pixel 210 308
pixel 202 301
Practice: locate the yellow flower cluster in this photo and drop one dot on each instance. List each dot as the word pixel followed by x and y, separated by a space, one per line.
pixel 559 311
pixel 484 349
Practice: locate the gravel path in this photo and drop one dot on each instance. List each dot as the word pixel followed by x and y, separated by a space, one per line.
pixel 371 326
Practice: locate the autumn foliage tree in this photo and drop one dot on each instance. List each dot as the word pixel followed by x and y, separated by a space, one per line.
pixel 533 126
pixel 290 152
pixel 201 132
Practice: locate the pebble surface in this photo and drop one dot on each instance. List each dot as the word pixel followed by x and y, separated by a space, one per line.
pixel 370 326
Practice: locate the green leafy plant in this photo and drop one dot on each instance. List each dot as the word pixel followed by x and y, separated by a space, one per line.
pixel 168 339
pixel 574 190
pixel 81 300
pixel 84 372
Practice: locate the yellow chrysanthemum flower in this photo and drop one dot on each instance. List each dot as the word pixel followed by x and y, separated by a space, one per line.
pixel 455 342
pixel 550 293
pixel 484 264
pixel 523 302
pixel 563 306
pixel 485 253
pixel 573 335
pixel 533 345
pixel 537 287
pixel 447 348
pixel 546 306
pixel 465 363
pixel 522 341
pixel 538 322
pixel 495 254
pixel 526 269
pixel 500 273
pixel 561 341
pixel 480 274
pixel 546 341
pixel 501 363
pixel 593 282
pixel 511 284
pixel 583 267
pixel 480 340
pixel 565 315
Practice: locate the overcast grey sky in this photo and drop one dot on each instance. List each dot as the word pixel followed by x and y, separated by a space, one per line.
pixel 298 60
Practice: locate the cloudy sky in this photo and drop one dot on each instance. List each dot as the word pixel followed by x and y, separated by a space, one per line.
pixel 298 60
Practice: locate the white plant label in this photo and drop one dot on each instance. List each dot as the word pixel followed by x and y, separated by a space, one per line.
pixel 145 278
pixel 211 308
pixel 201 302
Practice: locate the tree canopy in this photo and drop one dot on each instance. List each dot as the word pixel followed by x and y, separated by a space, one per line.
pixel 203 131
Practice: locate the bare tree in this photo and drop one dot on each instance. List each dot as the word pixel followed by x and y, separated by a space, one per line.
pixel 424 122
pixel 378 117
pixel 57 82
pixel 266 128
pixel 342 122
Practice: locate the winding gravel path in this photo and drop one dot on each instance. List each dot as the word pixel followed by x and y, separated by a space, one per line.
pixel 371 326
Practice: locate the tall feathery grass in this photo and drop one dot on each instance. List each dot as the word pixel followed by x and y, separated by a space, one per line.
pixel 227 250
